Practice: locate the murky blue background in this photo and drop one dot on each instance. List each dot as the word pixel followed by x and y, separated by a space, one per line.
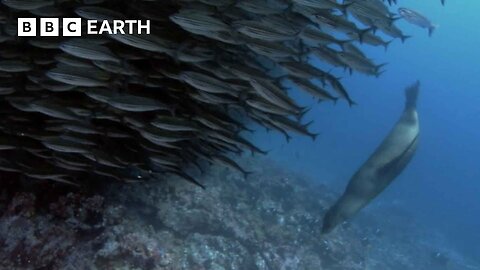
pixel 441 186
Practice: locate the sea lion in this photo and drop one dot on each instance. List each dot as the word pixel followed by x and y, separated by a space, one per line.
pixel 386 163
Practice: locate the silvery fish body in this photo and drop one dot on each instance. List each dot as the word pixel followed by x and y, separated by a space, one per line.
pixel 416 18
pixel 86 50
pixel 194 20
pixel 28 4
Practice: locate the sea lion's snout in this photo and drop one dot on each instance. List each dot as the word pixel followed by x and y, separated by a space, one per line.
pixel 330 221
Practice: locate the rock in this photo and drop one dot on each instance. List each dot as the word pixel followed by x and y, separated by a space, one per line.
pixel 270 221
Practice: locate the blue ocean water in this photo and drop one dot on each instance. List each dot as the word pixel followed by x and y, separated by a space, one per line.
pixel 441 186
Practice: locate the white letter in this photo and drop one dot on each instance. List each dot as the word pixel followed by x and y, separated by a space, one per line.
pixel 49 27
pixel 105 27
pixel 130 24
pixel 92 24
pixel 146 27
pixel 72 27
pixel 27 27
pixel 118 27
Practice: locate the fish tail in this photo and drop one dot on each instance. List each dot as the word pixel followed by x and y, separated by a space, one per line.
pixel 386 44
pixel 344 8
pixel 308 124
pixel 378 67
pixel 342 43
pixel 411 95
pixel 264 152
pixel 404 37
pixel 289 8
pixel 335 99
pixel 378 72
pixel 393 19
pixel 281 78
pixel 363 32
pixel 351 103
pixel 431 29
pixel 246 174
pixel 190 179
pixel 312 135
pixel 303 55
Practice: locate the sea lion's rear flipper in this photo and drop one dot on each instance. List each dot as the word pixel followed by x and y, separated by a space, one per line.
pixel 411 95
pixel 391 169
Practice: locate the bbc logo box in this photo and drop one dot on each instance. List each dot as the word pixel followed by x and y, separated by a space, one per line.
pixel 49 27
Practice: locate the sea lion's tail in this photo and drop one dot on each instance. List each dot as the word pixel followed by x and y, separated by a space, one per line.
pixel 411 95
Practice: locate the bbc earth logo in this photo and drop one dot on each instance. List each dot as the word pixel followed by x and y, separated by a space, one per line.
pixel 73 27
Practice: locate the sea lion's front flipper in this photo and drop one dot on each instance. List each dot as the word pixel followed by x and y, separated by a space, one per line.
pixel 391 169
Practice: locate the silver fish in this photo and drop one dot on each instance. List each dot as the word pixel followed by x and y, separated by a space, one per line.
pixel 79 76
pixel 206 83
pixel 262 7
pixel 133 103
pixel 314 90
pixel 257 29
pixel 86 50
pixel 196 20
pixel 418 19
pixel 14 66
pixel 28 4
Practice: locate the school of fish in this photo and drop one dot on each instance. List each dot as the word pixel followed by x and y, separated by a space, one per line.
pixel 141 107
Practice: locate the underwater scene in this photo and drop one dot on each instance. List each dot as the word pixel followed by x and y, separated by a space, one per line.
pixel 239 134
